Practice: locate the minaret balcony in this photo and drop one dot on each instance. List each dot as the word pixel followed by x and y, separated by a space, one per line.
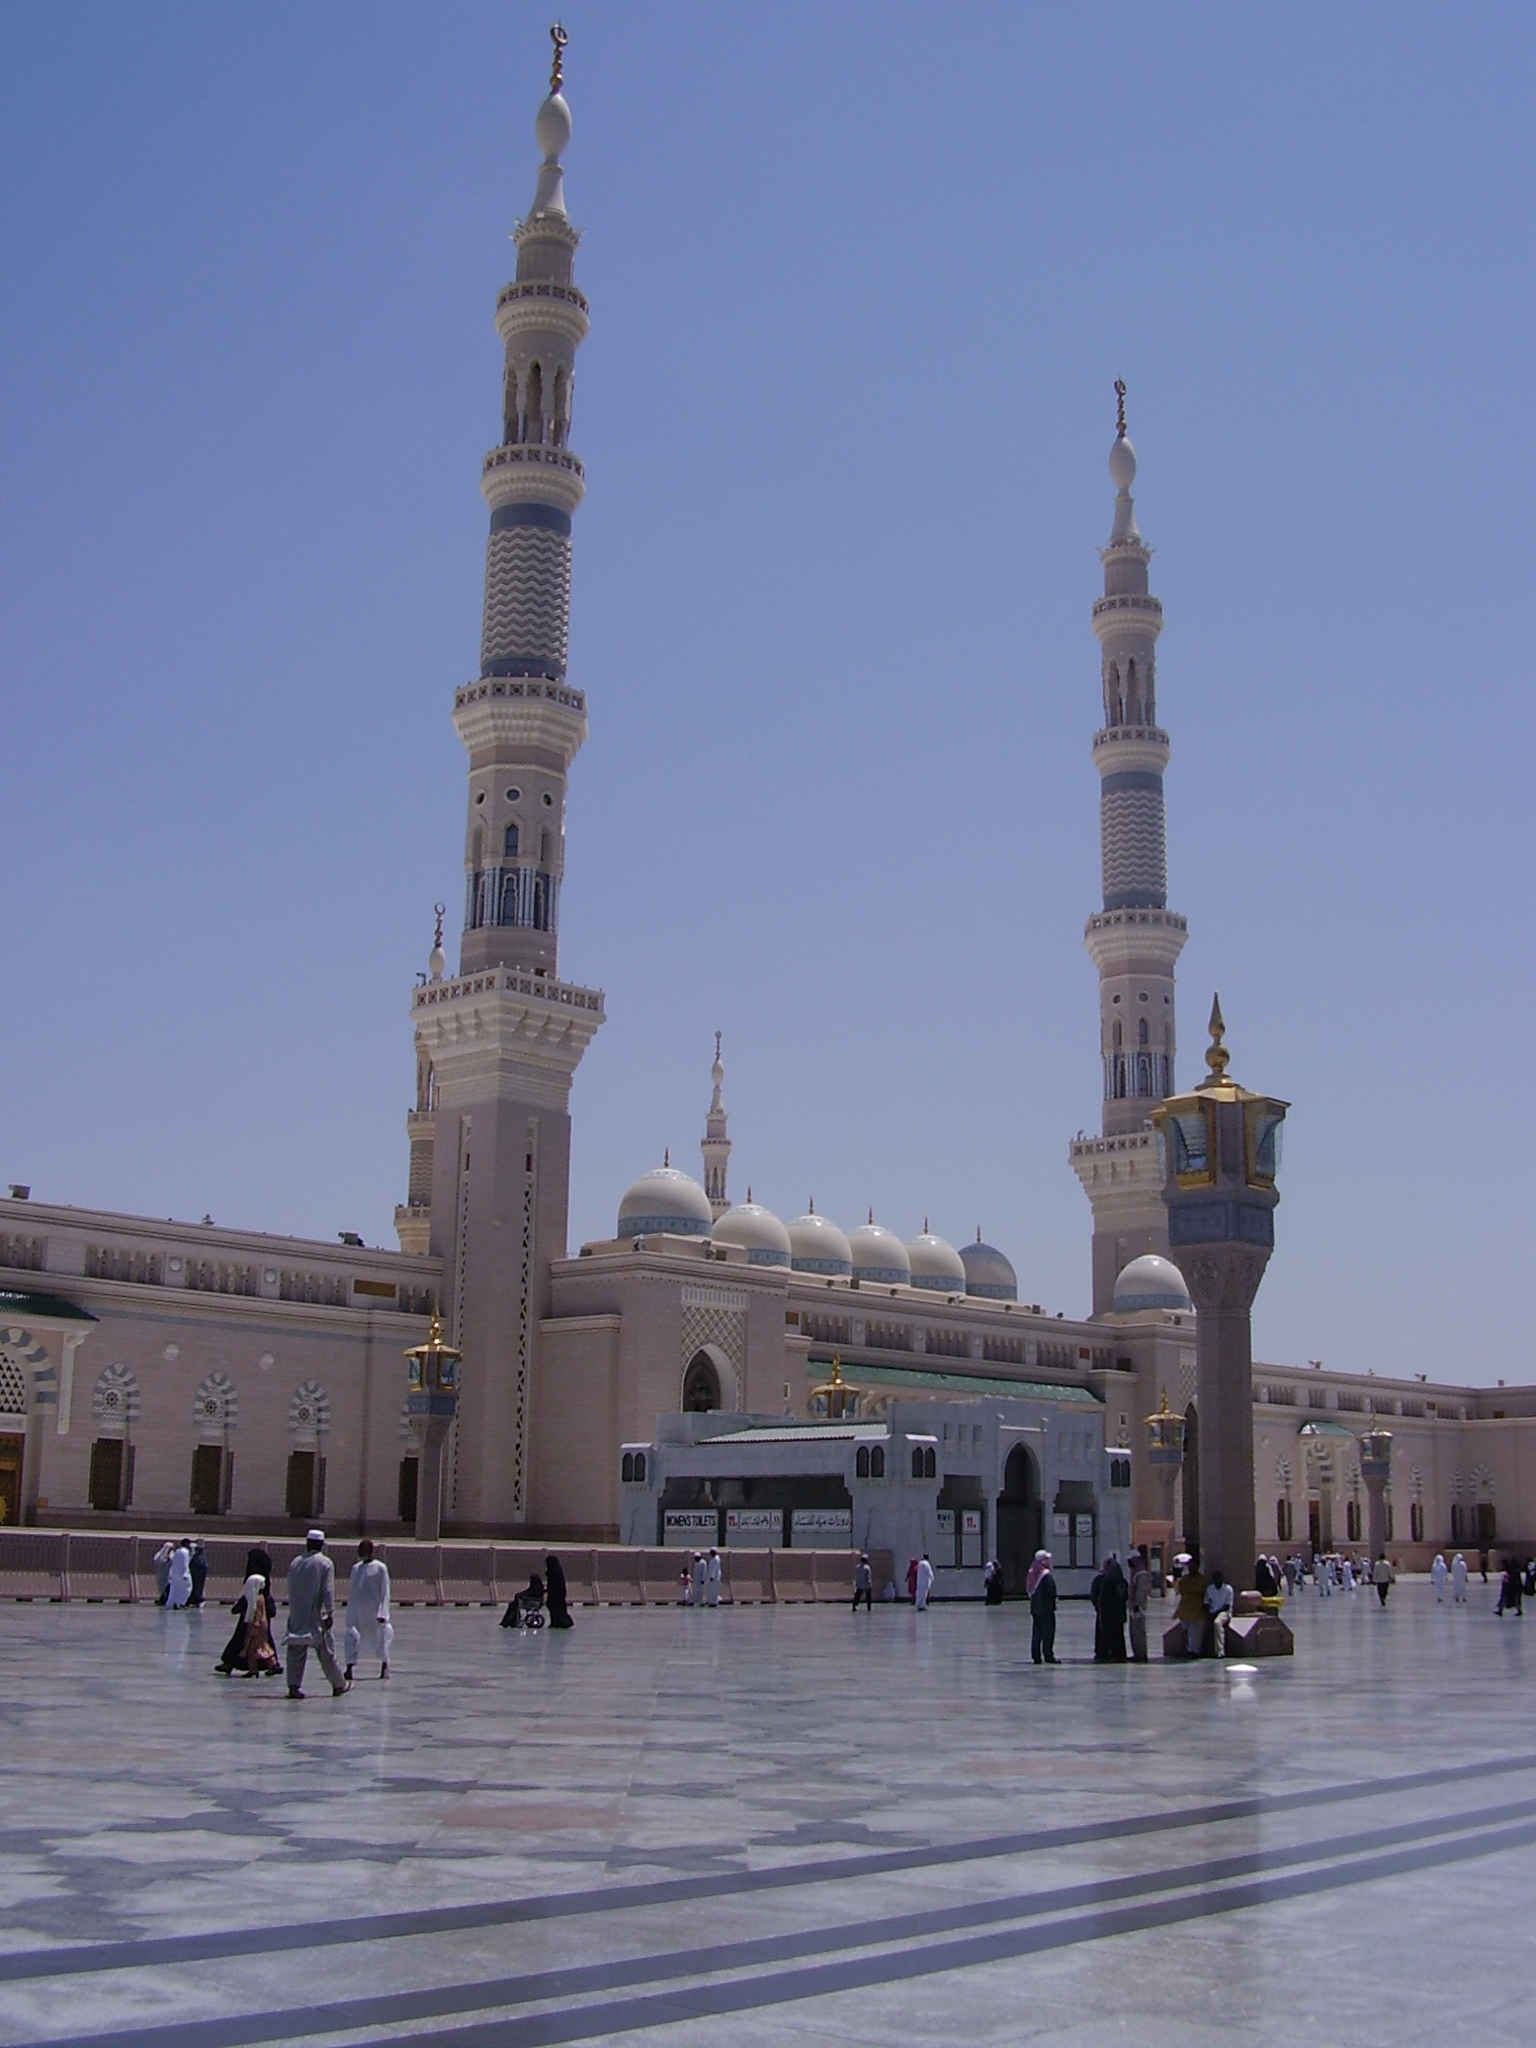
pixel 522 471
pixel 1128 614
pixel 512 714
pixel 514 981
pixel 540 307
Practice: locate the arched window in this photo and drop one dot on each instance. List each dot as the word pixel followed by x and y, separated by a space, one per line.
pixel 540 903
pixel 533 414
pixel 509 405
pixel 877 1463
pixel 1387 1506
pixel 1142 1034
pixel 639 1468
pixel 546 847
pixel 510 889
pixel 861 1462
pixel 1416 1521
pixel 701 1386
pixel 1117 1034
pixel 1352 1521
pixel 917 1461
pixel 560 410
pixel 509 843
pixel 1130 691
pixel 627 1468
pixel 1283 1521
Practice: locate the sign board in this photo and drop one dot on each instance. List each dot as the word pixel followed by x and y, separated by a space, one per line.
pixel 821 1528
pixel 1084 1528
pixel 1061 1525
pixel 944 1521
pixel 754 1528
pixel 691 1528
pixel 970 1536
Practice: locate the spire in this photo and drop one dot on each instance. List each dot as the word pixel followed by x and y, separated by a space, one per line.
pixel 716 1144
pixel 1122 472
pixel 552 131
pixel 437 959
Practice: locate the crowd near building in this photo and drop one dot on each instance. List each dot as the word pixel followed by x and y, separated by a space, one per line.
pixel 711 1373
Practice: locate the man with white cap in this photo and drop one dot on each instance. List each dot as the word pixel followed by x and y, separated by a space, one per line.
pixel 368 1624
pixel 311 1612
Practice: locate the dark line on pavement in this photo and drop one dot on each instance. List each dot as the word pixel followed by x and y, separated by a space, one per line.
pixel 531 1986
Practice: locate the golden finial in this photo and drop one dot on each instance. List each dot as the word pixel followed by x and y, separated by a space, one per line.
pixel 837 1370
pixel 1119 408
pixel 559 38
pixel 1217 1058
pixel 717 1045
pixel 439 911
pixel 1165 1409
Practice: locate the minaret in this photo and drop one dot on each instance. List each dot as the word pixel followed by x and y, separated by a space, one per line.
pixel 1135 939
pixel 497 1046
pixel 716 1146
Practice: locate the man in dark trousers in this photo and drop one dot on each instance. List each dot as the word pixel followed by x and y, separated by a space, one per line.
pixel 1042 1610
pixel 311 1613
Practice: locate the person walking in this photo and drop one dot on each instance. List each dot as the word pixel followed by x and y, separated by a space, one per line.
pixel 700 1575
pixel 912 1578
pixel 181 1574
pixel 1382 1576
pixel 1458 1580
pixel 162 1564
pixel 198 1566
pixel 924 1585
pixel 992 1583
pixel 712 1575
pixel 1140 1593
pixel 555 1593
pixel 1041 1586
pixel 1437 1577
pixel 1510 1591
pixel 311 1616
pixel 249 1649
pixel 368 1624
pixel 1109 1594
pixel 863 1584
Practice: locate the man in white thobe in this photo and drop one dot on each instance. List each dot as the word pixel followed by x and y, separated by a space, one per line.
pixel 700 1577
pixel 924 1581
pixel 712 1577
pixel 181 1574
pixel 368 1624
pixel 1437 1573
pixel 1458 1579
pixel 311 1612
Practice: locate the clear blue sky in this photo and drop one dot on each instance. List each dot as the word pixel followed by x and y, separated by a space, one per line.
pixel 861 279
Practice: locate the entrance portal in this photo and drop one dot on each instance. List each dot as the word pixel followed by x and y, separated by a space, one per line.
pixel 10 1480
pixel 1020 1519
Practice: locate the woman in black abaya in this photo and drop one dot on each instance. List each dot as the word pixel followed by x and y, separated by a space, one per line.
pixel 554 1593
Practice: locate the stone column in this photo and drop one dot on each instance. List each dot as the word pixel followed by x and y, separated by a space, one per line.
pixel 432 1399
pixel 1376 1471
pixel 429 1486
pixel 1222 1281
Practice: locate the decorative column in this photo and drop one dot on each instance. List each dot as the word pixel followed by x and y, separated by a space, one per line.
pixel 1221 1149
pixel 1376 1471
pixel 432 1399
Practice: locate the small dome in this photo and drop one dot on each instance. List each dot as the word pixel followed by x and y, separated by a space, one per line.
pixel 1122 464
pixel 756 1231
pixel 552 126
pixel 935 1263
pixel 879 1254
pixel 1150 1282
pixel 816 1245
pixel 665 1199
pixel 989 1273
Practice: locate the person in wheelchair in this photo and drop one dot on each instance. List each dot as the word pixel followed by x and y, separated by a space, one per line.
pixel 526 1609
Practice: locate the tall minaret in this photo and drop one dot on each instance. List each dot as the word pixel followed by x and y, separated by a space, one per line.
pixel 498 1045
pixel 716 1146
pixel 1135 939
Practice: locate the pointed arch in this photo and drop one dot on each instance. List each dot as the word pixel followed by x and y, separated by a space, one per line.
pixel 533 404
pixel 115 1401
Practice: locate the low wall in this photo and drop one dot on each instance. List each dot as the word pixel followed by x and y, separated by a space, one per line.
pixel 87 1565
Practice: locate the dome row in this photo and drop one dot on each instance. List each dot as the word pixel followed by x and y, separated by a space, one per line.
pixel 666 1200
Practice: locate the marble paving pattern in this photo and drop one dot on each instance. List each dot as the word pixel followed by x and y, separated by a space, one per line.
pixel 768 1824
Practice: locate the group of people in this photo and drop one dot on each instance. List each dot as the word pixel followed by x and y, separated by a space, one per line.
pixel 181 1572
pixel 1518 1579
pixel 699 1580
pixel 541 1599
pixel 251 1651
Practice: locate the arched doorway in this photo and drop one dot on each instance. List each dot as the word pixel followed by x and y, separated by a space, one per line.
pixel 1020 1518
pixel 1191 1529
pixel 701 1385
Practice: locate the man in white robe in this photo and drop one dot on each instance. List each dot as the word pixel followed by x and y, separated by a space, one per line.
pixel 700 1577
pixel 1458 1580
pixel 1437 1573
pixel 924 1581
pixel 712 1577
pixel 368 1624
pixel 181 1574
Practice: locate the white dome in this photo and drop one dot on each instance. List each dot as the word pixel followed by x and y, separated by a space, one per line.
pixel 816 1245
pixel 664 1199
pixel 879 1254
pixel 1122 464
pixel 756 1231
pixel 552 126
pixel 989 1273
pixel 1150 1282
pixel 935 1263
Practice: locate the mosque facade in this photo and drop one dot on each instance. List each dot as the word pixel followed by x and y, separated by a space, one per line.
pixel 711 1372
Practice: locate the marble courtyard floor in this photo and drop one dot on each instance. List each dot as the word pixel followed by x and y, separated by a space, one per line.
pixel 770 1825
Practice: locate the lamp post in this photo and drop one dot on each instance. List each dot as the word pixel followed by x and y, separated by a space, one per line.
pixel 1221 1151
pixel 1165 1460
pixel 1376 1471
pixel 432 1399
